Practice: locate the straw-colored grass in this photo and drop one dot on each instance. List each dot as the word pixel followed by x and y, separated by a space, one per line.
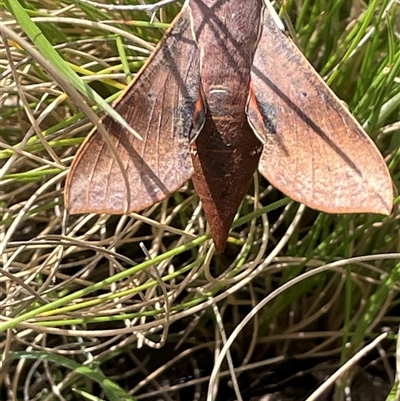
pixel 140 306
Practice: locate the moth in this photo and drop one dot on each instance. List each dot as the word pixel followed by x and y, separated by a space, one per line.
pixel 224 92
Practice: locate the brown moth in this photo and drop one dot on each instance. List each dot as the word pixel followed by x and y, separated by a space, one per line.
pixel 225 91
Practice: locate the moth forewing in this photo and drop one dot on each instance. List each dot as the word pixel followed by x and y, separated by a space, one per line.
pixel 314 150
pixel 159 105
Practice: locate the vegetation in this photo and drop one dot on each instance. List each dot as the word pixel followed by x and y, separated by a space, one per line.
pixel 140 306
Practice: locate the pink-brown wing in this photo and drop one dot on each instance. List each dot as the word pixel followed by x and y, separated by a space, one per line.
pixel 159 105
pixel 314 150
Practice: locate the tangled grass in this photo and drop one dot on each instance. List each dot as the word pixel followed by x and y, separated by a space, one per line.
pixel 140 306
